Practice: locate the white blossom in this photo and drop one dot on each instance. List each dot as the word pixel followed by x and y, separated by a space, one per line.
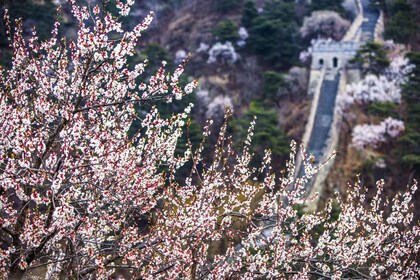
pixel 217 106
pixel 243 36
pixel 366 135
pixel 382 88
pixel 180 56
pixel 203 47
pixel 324 24
pixel 222 52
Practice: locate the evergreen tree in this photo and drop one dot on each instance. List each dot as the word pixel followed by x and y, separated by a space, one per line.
pixel 331 5
pixel 267 133
pixel 373 58
pixel 401 25
pixel 249 13
pixel 410 141
pixel 273 81
pixel 226 30
pixel 225 6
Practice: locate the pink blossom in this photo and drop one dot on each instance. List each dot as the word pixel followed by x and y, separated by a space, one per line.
pixel 82 195
pixel 366 135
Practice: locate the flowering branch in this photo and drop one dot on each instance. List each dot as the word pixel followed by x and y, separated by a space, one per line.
pixel 82 198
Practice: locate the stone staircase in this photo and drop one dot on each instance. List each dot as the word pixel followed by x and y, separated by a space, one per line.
pixel 318 138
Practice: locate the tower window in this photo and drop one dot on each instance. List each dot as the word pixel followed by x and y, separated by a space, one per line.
pixel 335 62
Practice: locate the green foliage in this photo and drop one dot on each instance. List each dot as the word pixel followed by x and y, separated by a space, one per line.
pixel 411 159
pixel 283 10
pixel 167 109
pixel 331 5
pixel 373 58
pixel 412 88
pixel 273 35
pixel 225 6
pixel 272 82
pixel 334 215
pixel 155 54
pixel 267 133
pixel 40 15
pixel 249 13
pixel 409 149
pixel 401 25
pixel 274 42
pixel 383 109
pixel 226 30
pixel 193 135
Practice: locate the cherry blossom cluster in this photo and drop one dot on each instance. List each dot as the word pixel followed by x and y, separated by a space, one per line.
pixel 81 197
pixel 224 52
pixel 324 24
pixel 243 36
pixel 382 88
pixel 367 135
pixel 71 179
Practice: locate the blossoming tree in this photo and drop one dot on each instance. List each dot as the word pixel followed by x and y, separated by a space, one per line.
pixel 75 189
pixel 324 24
pixel 367 135
pixel 385 87
pixel 382 88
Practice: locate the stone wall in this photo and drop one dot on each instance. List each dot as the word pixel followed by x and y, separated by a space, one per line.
pixel 379 28
pixel 353 32
pixel 315 84
pixel 330 57
pixel 333 55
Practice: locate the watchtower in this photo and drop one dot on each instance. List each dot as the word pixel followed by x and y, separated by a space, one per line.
pixel 328 54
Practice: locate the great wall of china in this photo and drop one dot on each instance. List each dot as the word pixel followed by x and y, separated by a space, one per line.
pixel 329 75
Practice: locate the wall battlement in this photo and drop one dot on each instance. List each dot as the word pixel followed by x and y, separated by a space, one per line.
pixel 328 54
pixel 332 46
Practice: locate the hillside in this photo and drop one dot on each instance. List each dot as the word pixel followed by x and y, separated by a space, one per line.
pixel 245 54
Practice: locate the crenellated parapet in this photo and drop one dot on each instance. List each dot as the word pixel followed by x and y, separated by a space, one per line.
pixel 329 54
pixel 334 46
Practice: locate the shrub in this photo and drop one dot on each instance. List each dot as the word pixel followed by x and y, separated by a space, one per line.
pixel 324 24
pixel 225 6
pixel 249 13
pixel 226 31
pixel 272 35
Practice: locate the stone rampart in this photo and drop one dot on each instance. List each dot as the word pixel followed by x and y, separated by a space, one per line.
pixel 379 28
pixel 354 30
pixel 330 54
pixel 328 57
pixel 315 85
pixel 332 143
